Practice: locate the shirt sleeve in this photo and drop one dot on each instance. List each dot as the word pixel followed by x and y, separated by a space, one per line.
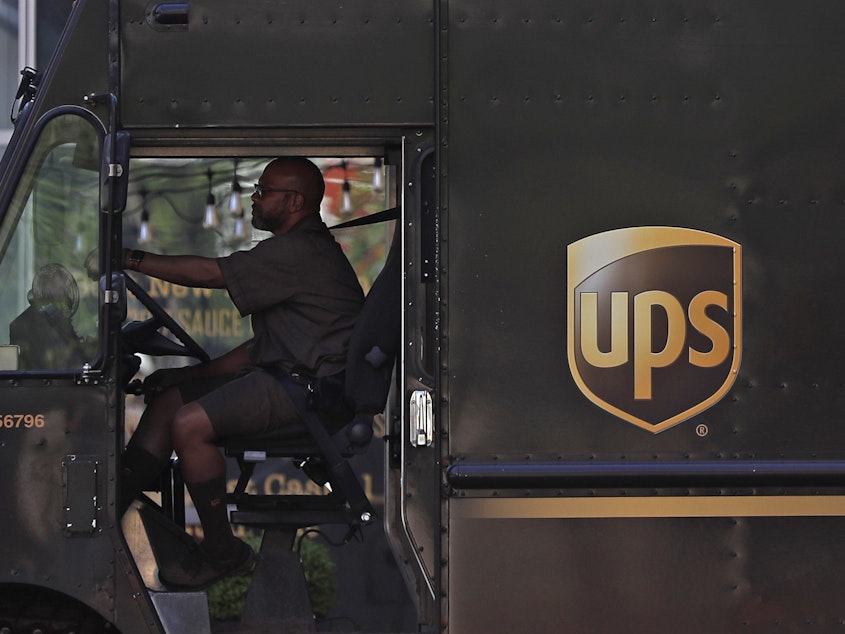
pixel 261 277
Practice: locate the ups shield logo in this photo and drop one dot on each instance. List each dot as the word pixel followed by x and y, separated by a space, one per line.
pixel 654 322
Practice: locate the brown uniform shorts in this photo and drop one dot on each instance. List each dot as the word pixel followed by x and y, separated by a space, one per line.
pixel 250 402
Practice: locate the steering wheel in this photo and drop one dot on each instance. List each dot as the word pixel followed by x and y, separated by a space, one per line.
pixel 144 336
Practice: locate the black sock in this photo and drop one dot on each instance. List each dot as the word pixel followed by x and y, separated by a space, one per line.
pixel 209 499
pixel 139 469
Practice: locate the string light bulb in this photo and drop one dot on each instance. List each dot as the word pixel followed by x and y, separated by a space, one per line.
pixel 346 198
pixel 378 175
pixel 211 219
pixel 236 207
pixel 346 205
pixel 144 232
pixel 240 228
pixel 80 239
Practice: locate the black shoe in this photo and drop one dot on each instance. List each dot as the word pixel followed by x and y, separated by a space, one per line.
pixel 198 570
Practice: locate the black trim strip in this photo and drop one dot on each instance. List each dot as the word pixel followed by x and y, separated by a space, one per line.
pixel 381 216
pixel 652 474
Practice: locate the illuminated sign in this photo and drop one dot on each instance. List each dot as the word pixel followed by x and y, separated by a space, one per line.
pixel 654 321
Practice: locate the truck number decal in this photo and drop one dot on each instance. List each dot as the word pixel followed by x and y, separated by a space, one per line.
pixel 26 421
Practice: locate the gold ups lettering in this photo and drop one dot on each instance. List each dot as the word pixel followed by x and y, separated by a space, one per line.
pixel 654 316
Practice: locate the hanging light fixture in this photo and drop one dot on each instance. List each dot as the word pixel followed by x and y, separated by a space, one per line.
pixel 378 175
pixel 236 207
pixel 240 228
pixel 210 220
pixel 80 239
pixel 144 232
pixel 346 199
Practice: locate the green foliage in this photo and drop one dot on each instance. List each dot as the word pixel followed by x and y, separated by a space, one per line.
pixel 226 598
pixel 319 575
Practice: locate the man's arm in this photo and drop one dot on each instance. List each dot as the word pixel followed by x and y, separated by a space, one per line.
pixel 229 363
pixel 186 270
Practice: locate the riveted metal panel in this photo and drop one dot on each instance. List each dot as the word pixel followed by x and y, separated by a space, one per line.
pixel 58 508
pixel 569 120
pixel 78 67
pixel 606 576
pixel 263 63
pixel 79 483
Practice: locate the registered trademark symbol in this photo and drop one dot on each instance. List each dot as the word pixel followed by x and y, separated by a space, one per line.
pixel 702 430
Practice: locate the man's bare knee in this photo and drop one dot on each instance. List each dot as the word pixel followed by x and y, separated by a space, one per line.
pixel 191 426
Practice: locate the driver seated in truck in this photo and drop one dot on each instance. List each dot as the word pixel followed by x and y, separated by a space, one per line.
pixel 303 298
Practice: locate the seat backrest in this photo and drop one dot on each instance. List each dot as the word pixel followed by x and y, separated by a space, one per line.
pixel 374 344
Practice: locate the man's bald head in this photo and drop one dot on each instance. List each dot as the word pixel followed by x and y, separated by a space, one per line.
pixel 298 174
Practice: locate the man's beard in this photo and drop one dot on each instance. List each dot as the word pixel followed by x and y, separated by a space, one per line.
pixel 263 223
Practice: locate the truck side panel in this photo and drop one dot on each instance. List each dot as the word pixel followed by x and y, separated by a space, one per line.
pixel 265 63
pixel 569 121
pixel 608 575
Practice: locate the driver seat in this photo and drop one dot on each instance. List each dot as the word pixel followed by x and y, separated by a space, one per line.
pixel 324 456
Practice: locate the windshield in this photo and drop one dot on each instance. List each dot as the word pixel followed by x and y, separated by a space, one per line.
pixel 48 303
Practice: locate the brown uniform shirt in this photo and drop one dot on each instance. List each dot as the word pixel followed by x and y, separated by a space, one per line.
pixel 303 297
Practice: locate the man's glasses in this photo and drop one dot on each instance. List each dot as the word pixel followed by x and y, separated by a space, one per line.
pixel 260 190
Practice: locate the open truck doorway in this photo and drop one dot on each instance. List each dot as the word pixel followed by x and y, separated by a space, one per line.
pixel 201 206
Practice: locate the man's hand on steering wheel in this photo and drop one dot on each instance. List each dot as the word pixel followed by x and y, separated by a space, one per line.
pixel 163 379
